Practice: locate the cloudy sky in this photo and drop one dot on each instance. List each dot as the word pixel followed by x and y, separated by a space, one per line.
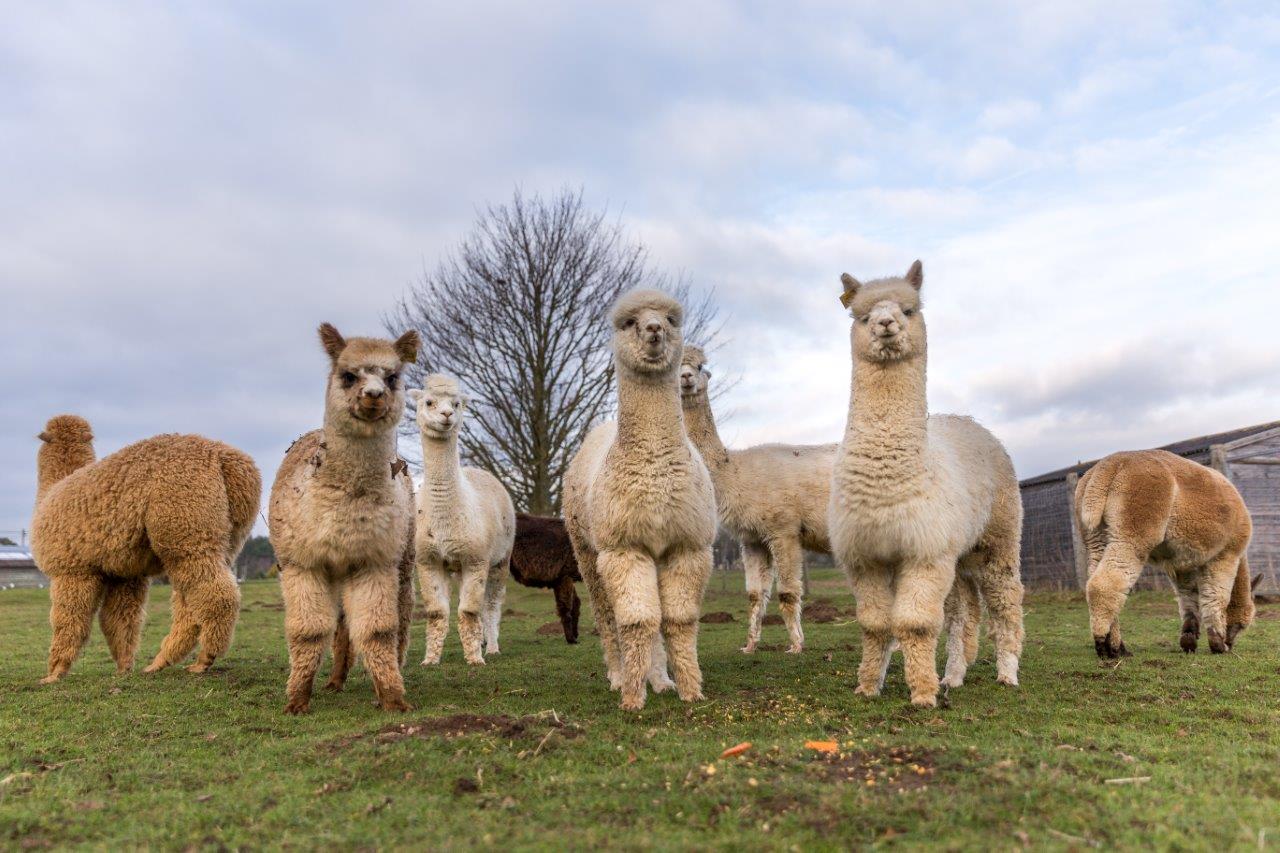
pixel 1094 189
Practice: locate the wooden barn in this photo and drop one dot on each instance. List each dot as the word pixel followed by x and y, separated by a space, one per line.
pixel 1053 558
pixel 18 569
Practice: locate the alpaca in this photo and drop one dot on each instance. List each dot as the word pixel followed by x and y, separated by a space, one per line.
pixel 341 523
pixel 542 557
pixel 466 526
pixel 180 505
pixel 1153 506
pixel 639 506
pixel 916 499
pixel 772 497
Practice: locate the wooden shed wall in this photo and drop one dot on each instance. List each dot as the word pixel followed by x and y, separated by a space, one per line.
pixel 1259 485
pixel 1048 557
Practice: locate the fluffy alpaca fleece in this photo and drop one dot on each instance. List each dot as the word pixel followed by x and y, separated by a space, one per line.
pixel 342 524
pixel 180 505
pixel 466 525
pixel 640 508
pixel 542 557
pixel 772 497
pixel 916 499
pixel 1152 506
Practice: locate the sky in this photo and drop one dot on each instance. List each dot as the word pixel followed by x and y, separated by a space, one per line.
pixel 1093 188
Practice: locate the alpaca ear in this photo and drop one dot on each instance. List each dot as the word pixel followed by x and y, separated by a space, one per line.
pixel 407 346
pixel 915 275
pixel 851 286
pixel 415 394
pixel 45 437
pixel 332 341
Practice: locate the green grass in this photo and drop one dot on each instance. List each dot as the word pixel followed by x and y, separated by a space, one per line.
pixel 176 759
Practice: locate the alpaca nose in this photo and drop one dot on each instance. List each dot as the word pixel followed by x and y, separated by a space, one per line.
pixel 653 327
pixel 886 322
pixel 373 393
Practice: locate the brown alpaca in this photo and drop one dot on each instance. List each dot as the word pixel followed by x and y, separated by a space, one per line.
pixel 543 558
pixel 342 524
pixel 179 505
pixel 1152 506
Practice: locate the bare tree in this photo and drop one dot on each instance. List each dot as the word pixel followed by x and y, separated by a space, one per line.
pixel 518 313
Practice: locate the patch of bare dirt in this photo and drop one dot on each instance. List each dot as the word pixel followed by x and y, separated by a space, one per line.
pixel 894 769
pixel 550 629
pixel 718 617
pixel 461 725
pixel 771 619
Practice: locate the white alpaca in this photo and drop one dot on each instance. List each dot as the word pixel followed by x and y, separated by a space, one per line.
pixel 640 509
pixel 916 499
pixel 772 497
pixel 466 527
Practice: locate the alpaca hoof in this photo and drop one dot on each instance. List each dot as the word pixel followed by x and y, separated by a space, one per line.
pixel 924 701
pixel 395 705
pixel 297 707
pixel 493 651
pixel 429 662
pixel 662 685
pixel 1189 642
pixel 693 696
pixel 864 690
pixel 1007 680
pixel 155 666
pixel 1123 651
pixel 1216 643
pixel 198 668
pixel 334 686
pixel 748 649
pixel 51 679
pixel 475 661
pixel 632 704
pixel 796 648
pixel 1105 650
pixel 949 681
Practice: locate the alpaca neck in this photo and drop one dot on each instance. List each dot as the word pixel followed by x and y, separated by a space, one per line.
pixel 357 462
pixel 700 426
pixel 441 475
pixel 649 409
pixel 888 417
pixel 55 463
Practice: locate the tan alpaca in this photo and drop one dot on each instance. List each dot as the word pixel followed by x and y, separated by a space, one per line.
pixel 179 505
pixel 916 499
pixel 466 527
pixel 1152 506
pixel 342 523
pixel 640 508
pixel 772 497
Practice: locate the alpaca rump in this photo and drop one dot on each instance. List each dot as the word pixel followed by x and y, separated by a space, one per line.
pixel 1152 506
pixel 919 502
pixel 542 557
pixel 341 519
pixel 179 505
pixel 639 507
pixel 465 529
pixel 773 498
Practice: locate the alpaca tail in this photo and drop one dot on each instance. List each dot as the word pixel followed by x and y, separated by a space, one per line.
pixel 244 491
pixel 1240 608
pixel 1092 492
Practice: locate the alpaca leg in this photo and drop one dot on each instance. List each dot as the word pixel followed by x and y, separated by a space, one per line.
pixel 1241 610
pixel 310 617
pixel 1187 587
pixel 1001 585
pixel 972 622
pixel 471 589
pixel 184 633
pixel 682 583
pixel 873 590
pixel 75 600
pixel 405 603
pixel 631 584
pixel 434 583
pixel 917 619
pixel 1216 580
pixel 343 656
pixel 121 616
pixel 495 592
pixel 956 619
pixel 659 679
pixel 602 610
pixel 1106 592
pixel 370 600
pixel 756 570
pixel 788 565
pixel 213 597
pixel 567 606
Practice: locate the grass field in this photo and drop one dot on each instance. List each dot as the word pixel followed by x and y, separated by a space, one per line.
pixel 536 753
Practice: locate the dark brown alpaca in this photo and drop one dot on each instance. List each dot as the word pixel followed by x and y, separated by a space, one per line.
pixel 543 558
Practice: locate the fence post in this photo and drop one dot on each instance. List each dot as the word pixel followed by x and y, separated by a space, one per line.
pixel 1079 553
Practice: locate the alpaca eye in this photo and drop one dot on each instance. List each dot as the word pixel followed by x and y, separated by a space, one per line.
pixel 348 379
pixel 865 320
pixel 910 312
pixel 430 403
pixel 631 321
pixel 672 320
pixel 392 380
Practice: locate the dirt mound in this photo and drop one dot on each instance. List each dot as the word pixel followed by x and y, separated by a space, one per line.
pixel 771 619
pixel 550 629
pixel 461 725
pixel 718 617
pixel 893 769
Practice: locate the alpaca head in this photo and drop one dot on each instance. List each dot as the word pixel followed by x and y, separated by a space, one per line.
pixel 365 395
pixel 647 337
pixel 694 375
pixel 440 406
pixel 66 446
pixel 887 323
pixel 66 430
